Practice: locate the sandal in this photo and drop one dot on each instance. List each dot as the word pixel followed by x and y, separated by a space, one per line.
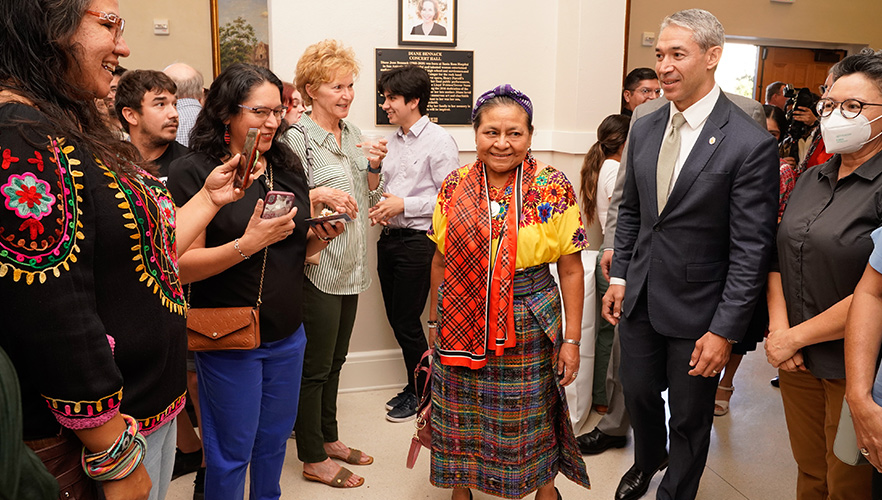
pixel 721 406
pixel 354 457
pixel 339 481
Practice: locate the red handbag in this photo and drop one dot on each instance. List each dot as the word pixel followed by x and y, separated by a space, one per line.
pixel 422 436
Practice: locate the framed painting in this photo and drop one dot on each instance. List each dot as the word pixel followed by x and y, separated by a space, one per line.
pixel 427 22
pixel 239 33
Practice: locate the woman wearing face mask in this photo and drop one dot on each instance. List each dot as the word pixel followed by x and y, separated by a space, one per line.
pixel 823 246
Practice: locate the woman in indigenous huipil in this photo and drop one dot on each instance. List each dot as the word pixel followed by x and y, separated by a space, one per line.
pixel 89 244
pixel 499 416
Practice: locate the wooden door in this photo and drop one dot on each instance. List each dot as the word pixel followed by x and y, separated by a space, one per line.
pixel 798 67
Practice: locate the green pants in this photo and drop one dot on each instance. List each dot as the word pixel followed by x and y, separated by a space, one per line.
pixel 328 321
pixel 603 339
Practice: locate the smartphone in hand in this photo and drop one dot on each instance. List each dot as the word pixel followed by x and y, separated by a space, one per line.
pixel 248 158
pixel 277 204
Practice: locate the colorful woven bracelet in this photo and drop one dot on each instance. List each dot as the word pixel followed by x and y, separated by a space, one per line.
pixel 121 459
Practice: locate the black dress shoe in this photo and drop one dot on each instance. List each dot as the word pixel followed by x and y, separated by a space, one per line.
pixel 635 482
pixel 597 441
pixel 775 382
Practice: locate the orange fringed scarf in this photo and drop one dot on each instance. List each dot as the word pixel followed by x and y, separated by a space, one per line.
pixel 477 303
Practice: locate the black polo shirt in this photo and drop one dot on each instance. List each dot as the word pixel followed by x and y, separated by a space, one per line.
pixel 823 245
pixel 174 151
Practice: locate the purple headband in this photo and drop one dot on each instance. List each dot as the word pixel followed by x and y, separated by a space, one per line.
pixel 505 90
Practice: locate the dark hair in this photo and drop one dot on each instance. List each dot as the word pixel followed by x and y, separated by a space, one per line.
pixel 410 82
pixel 228 91
pixel 867 62
pixel 772 89
pixel 36 62
pixel 775 113
pixel 500 101
pixel 134 84
pixel 119 71
pixel 634 78
pixel 611 134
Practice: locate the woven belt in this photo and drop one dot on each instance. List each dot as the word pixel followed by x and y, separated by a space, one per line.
pixel 532 279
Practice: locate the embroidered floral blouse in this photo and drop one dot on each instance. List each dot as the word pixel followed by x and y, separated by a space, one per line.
pixel 94 311
pixel 551 225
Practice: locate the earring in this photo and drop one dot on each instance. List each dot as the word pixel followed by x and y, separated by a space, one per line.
pixel 227 134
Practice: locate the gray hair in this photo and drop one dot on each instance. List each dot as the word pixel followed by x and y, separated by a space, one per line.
pixel 188 80
pixel 706 29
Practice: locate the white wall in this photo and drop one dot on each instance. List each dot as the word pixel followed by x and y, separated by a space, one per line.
pixel 567 55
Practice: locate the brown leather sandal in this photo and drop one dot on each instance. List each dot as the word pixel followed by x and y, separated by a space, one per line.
pixel 339 481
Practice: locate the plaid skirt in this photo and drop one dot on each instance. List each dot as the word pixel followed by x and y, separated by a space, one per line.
pixel 505 429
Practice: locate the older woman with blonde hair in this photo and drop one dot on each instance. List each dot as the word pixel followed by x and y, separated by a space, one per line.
pixel 325 77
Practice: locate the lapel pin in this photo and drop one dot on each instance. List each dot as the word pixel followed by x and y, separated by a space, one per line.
pixel 712 140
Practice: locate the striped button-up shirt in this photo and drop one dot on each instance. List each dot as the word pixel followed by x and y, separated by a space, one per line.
pixel 343 266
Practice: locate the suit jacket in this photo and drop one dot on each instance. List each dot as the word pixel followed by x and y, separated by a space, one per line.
pixel 703 260
pixel 749 106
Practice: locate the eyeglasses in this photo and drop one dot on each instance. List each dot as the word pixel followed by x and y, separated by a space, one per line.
pixel 648 91
pixel 850 108
pixel 119 24
pixel 264 112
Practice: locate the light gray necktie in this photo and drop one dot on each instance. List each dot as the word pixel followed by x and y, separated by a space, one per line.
pixel 667 159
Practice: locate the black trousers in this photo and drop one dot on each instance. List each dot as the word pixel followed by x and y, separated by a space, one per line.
pixel 651 363
pixel 404 263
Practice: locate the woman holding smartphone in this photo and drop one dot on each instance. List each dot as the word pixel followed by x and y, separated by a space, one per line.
pixel 248 398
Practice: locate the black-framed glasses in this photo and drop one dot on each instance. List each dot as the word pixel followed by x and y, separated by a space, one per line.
pixel 264 112
pixel 850 108
pixel 119 24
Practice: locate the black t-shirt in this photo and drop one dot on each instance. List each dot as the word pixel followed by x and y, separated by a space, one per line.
pixel 280 312
pixel 174 151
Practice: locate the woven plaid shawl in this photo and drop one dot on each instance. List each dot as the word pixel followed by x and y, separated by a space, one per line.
pixel 478 291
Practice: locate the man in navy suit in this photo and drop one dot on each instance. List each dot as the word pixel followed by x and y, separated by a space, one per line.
pixel 692 248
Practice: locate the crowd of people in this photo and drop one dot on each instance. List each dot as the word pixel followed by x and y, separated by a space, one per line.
pixel 130 203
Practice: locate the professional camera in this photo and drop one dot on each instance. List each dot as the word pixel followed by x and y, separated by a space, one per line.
pixel 796 130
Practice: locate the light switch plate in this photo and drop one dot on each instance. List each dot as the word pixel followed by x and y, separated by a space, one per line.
pixel 160 26
pixel 648 39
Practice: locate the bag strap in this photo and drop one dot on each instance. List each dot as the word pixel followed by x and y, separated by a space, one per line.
pixel 424 367
pixel 302 129
pixel 269 170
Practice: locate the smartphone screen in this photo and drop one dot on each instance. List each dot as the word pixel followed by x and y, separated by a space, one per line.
pixel 277 204
pixel 247 159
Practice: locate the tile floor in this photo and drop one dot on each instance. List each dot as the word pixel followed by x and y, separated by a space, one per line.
pixel 749 457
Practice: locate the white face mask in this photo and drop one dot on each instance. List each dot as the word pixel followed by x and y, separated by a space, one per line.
pixel 844 135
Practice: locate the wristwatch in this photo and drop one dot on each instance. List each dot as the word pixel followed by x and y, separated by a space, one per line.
pixel 375 170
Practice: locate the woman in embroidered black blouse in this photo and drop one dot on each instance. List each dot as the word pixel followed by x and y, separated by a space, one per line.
pixel 88 255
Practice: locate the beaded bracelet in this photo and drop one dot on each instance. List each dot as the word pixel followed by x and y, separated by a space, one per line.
pixel 121 459
pixel 236 246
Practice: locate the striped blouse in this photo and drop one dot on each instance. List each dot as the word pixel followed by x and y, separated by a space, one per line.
pixel 343 266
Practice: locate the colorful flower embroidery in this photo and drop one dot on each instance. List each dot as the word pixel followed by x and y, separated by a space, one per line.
pixel 149 212
pixel 28 196
pixel 8 159
pixel 39 248
pixel 544 211
pixel 580 239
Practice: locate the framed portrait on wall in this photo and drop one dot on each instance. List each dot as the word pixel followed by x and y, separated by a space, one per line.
pixel 239 33
pixel 427 22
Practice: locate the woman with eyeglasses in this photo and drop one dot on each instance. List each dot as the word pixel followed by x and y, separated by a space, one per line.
pixel 248 398
pixel 325 76
pixel 823 245
pixel 89 282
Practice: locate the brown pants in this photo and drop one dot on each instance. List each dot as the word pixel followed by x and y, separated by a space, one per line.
pixel 811 408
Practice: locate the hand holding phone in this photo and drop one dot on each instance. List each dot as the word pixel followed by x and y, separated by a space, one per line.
pixel 277 204
pixel 248 158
